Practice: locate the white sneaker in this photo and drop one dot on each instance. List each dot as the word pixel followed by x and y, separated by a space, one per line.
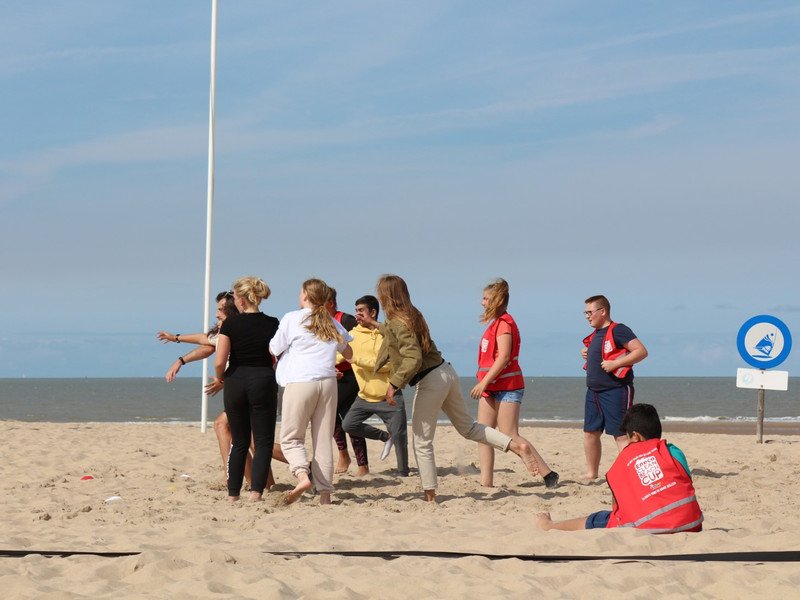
pixel 387 447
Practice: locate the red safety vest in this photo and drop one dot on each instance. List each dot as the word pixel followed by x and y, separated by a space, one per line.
pixel 510 378
pixel 610 350
pixel 652 490
pixel 344 365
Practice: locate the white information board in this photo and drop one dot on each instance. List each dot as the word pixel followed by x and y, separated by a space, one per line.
pixel 756 379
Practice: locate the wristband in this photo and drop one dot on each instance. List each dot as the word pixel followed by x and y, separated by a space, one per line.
pixel 183 362
pixel 177 338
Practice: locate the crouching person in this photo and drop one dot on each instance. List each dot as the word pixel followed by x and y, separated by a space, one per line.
pixel 650 482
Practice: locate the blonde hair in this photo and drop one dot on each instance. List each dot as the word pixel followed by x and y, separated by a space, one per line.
pixel 393 295
pixel 498 300
pixel 320 322
pixel 252 289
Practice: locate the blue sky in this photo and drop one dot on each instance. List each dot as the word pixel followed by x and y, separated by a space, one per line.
pixel 643 150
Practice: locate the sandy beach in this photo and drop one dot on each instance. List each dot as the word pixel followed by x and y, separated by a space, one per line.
pixel 157 490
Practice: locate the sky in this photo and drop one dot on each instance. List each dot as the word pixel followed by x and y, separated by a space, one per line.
pixel 647 151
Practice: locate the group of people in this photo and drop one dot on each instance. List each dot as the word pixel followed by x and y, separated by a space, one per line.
pixel 312 356
pixel 338 370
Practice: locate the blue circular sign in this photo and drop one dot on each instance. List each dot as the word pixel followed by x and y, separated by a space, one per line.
pixel 764 342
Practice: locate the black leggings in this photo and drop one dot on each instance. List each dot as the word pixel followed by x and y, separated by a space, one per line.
pixel 251 403
pixel 347 389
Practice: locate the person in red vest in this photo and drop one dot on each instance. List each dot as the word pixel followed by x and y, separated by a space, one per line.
pixel 415 360
pixel 650 482
pixel 500 384
pixel 609 351
pixel 347 390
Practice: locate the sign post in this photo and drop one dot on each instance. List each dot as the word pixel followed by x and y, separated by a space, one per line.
pixel 763 342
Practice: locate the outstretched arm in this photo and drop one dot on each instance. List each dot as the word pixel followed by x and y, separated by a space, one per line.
pixel 189 338
pixel 198 353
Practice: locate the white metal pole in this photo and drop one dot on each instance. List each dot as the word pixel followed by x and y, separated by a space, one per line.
pixel 209 211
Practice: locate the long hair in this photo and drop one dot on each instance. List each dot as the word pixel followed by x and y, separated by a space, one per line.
pixel 498 300
pixel 320 322
pixel 393 295
pixel 229 309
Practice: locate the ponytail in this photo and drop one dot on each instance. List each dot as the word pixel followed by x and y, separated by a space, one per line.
pixel 320 322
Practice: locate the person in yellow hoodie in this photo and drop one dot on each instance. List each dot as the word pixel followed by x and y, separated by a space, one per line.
pixel 372 386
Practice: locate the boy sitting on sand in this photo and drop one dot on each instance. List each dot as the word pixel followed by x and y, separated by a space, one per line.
pixel 650 484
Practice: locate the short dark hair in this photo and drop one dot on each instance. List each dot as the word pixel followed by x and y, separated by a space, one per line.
pixel 601 301
pixel 643 419
pixel 371 303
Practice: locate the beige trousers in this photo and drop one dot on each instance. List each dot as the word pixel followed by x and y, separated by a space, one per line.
pixel 439 391
pixel 311 402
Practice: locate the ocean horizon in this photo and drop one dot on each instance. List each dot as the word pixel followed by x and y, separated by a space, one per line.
pixel 547 399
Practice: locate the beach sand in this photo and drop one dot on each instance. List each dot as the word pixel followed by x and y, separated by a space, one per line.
pixel 192 544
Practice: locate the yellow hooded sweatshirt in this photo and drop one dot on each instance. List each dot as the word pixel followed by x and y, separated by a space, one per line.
pixel 366 343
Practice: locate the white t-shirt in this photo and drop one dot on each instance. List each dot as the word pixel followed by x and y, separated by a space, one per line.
pixel 302 356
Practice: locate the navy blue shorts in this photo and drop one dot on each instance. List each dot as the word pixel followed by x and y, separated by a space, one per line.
pixel 598 520
pixel 605 410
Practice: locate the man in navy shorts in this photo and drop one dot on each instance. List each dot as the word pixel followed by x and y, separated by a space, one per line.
pixel 610 352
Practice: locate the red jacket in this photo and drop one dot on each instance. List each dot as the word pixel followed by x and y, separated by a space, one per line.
pixel 610 350
pixel 510 378
pixel 344 365
pixel 652 490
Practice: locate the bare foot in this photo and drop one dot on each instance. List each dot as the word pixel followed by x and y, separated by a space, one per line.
pixel 525 452
pixel 256 497
pixel 588 478
pixel 233 499
pixel 344 462
pixel 543 521
pixel 303 485
pixel 362 470
pixel 324 498
pixel 430 495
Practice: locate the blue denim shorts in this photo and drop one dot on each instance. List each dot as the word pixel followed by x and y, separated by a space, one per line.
pixel 513 396
pixel 598 520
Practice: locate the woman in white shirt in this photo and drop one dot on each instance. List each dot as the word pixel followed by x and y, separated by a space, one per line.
pixel 306 344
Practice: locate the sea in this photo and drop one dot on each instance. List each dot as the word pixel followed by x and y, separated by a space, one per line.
pixel 558 399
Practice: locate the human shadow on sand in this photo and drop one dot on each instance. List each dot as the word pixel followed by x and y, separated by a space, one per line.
pixel 366 482
pixel 709 473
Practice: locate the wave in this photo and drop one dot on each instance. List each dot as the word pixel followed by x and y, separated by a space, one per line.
pixel 700 419
pixel 722 419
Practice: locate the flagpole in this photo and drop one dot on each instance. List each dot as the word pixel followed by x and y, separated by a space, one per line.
pixel 209 211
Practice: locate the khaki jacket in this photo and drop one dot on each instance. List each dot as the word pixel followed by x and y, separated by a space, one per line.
pixel 402 351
